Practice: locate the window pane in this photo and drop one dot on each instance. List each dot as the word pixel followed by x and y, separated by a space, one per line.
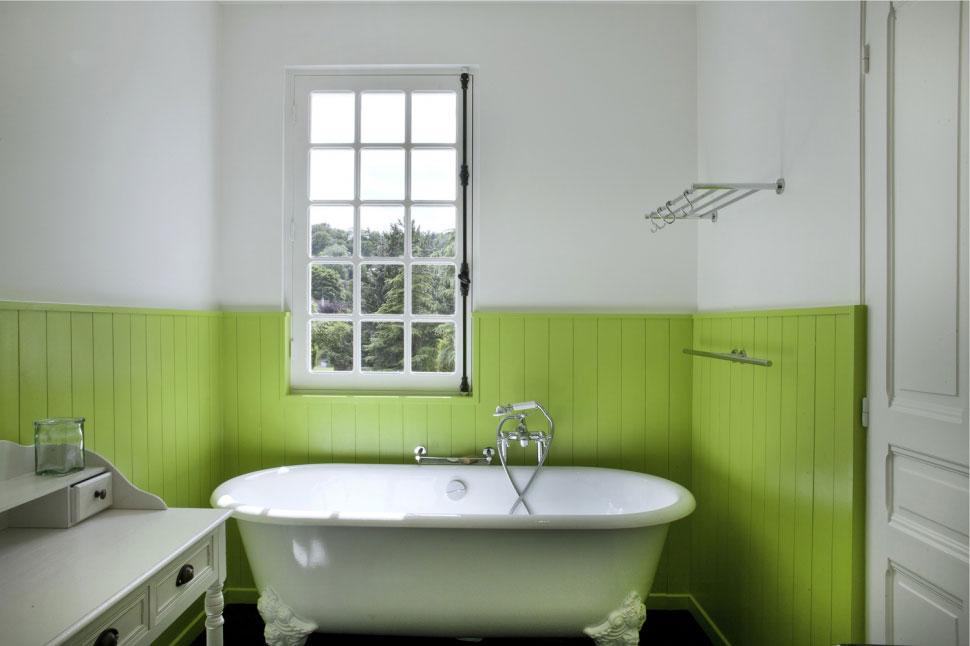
pixel 331 174
pixel 332 118
pixel 382 231
pixel 382 117
pixel 331 288
pixel 382 289
pixel 433 174
pixel 382 346
pixel 331 231
pixel 433 289
pixel 433 231
pixel 433 347
pixel 331 346
pixel 433 118
pixel 382 174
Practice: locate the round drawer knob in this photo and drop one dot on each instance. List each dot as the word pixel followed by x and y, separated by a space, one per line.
pixel 101 493
pixel 185 575
pixel 107 638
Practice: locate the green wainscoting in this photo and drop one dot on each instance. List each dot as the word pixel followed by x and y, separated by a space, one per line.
pixel 618 387
pixel 778 471
pixel 774 554
pixel 146 382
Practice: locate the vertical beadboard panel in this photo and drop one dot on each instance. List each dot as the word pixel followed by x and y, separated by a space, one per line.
pixel 561 388
pixel 138 356
pixel 33 372
pixel 462 430
pixel 271 344
pixel 247 352
pixel 632 386
pixel 82 372
pixel 778 471
pixel 319 425
pixel 9 376
pixel 608 367
pixel 584 391
pixel 775 457
pixel 367 439
pixel 511 385
pixel 296 441
pixel 487 372
pixel 153 368
pixel 104 387
pixel 138 377
pixel 181 390
pixel 680 371
pixel 59 364
pixel 393 449
pixel 230 396
pixel 121 377
pixel 170 475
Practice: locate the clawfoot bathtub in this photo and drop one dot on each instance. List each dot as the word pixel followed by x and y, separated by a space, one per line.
pixel 432 550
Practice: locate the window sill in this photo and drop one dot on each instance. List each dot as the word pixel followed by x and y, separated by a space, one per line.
pixel 377 394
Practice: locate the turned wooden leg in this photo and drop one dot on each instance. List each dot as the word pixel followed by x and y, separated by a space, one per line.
pixel 622 626
pixel 214 605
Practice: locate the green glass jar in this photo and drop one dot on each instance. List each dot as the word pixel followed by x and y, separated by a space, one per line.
pixel 58 445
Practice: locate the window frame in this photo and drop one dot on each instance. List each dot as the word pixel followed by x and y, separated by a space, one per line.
pixel 301 83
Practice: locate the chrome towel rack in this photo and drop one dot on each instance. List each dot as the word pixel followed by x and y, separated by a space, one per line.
pixel 704 200
pixel 737 355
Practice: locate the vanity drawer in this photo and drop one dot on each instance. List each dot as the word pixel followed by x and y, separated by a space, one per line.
pixel 90 496
pixel 129 619
pixel 177 579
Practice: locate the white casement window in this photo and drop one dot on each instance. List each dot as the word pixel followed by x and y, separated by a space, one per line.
pixel 376 237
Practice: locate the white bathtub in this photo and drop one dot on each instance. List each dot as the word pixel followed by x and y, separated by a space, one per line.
pixel 397 550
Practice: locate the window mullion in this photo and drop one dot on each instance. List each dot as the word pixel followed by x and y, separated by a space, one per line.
pixel 358 328
pixel 407 234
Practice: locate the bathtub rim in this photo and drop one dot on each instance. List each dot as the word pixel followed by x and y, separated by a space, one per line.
pixel 683 506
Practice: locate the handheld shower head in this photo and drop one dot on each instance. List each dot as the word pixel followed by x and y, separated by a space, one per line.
pixel 521 407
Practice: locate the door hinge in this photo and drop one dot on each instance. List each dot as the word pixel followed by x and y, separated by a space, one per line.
pixel 865 58
pixel 291 347
pixel 865 412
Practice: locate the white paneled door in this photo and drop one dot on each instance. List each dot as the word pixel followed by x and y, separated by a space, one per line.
pixel 915 113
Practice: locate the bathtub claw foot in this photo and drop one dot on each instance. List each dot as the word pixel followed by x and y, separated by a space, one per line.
pixel 622 626
pixel 283 627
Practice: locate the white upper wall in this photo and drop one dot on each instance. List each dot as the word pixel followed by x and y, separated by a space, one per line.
pixel 586 115
pixel 107 153
pixel 778 95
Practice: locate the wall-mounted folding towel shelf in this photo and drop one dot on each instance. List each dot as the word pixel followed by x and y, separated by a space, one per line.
pixel 737 355
pixel 704 200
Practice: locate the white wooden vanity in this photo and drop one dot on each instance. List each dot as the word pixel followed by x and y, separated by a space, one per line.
pixel 88 559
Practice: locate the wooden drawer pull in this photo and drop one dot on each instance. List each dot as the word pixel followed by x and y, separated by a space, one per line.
pixel 185 575
pixel 107 638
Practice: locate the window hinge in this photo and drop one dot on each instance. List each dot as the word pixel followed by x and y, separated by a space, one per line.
pixel 865 412
pixel 865 58
pixel 293 112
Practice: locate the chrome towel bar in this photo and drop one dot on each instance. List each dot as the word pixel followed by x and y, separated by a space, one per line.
pixel 737 355
pixel 421 457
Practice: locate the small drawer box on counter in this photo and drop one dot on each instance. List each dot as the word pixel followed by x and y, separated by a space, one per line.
pixel 90 496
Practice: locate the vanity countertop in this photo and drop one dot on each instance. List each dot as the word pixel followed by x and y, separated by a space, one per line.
pixel 54 581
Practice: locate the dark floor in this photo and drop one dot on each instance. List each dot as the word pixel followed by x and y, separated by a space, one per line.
pixel 663 628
